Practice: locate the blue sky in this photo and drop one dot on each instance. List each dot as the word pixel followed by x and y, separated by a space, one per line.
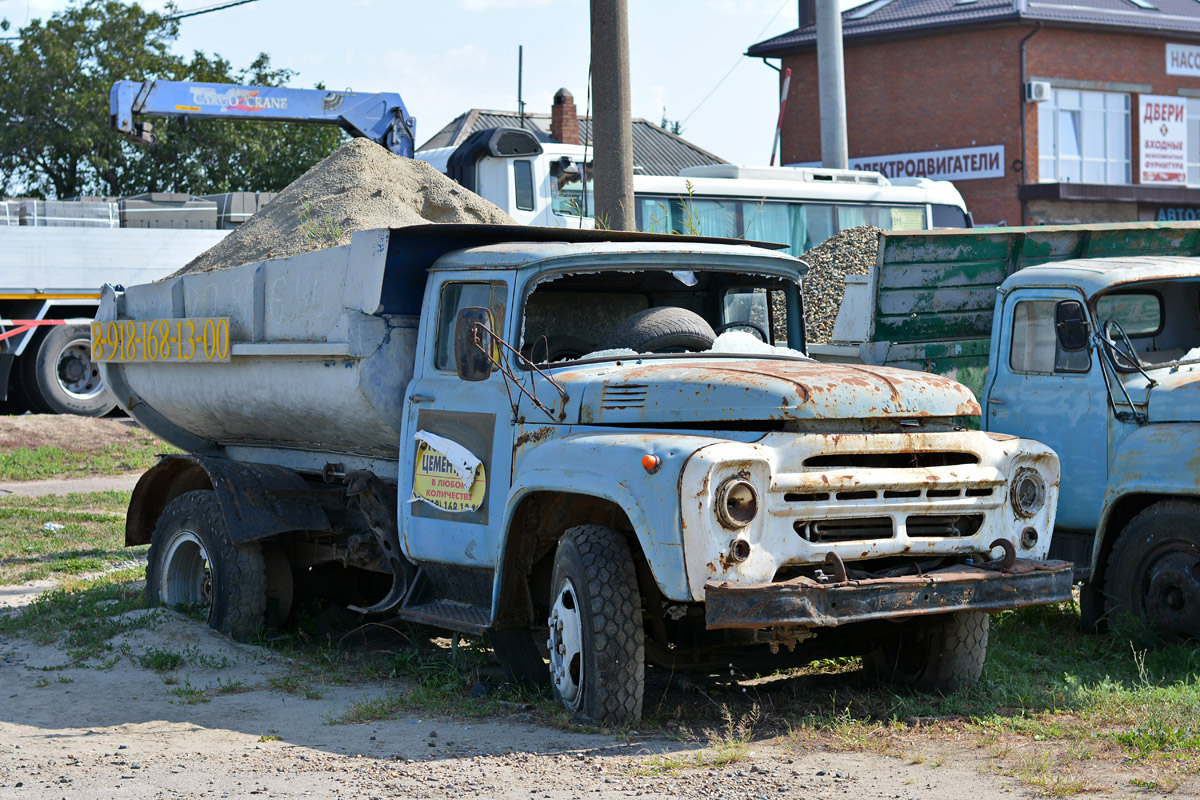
pixel 445 56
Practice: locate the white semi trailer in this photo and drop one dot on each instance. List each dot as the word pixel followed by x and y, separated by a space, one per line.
pixel 50 279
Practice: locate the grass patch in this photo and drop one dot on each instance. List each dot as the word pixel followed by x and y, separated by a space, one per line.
pixel 139 453
pixel 63 536
pixel 161 660
pixel 84 615
pixel 721 746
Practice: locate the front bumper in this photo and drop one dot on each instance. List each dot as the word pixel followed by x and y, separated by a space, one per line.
pixel 806 603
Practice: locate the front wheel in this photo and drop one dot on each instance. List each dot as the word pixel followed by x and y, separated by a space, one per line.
pixel 942 654
pixel 597 645
pixel 1154 569
pixel 193 563
pixel 61 377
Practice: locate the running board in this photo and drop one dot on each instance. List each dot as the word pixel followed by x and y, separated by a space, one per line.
pixel 449 614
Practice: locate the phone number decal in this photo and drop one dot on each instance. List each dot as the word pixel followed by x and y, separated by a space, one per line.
pixel 178 340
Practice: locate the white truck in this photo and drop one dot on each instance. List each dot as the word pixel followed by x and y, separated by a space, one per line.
pixel 602 449
pixel 50 279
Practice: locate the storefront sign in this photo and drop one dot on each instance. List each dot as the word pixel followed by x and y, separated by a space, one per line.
pixel 1163 139
pixel 1177 214
pixel 969 163
pixel 1183 59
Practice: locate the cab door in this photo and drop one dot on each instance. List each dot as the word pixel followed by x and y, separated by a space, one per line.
pixel 1038 389
pixel 456 454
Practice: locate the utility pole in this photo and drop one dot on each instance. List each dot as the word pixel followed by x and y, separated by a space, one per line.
pixel 612 123
pixel 831 75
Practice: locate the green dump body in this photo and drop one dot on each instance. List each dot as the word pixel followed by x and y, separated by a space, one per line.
pixel 929 302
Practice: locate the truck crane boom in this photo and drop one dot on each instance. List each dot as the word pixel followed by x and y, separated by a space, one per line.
pixel 381 117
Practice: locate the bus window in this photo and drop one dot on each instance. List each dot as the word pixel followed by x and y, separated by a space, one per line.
pixel 949 217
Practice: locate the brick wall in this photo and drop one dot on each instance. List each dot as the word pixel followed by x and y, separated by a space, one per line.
pixel 964 89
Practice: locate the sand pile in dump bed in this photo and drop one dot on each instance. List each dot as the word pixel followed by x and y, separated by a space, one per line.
pixel 851 252
pixel 360 186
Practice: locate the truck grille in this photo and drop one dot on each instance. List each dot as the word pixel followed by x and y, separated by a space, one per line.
pixel 908 460
pixel 858 529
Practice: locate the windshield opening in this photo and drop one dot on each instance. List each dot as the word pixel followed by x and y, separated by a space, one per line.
pixel 618 314
pixel 1161 319
pixel 571 192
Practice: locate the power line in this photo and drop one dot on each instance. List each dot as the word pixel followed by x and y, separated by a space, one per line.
pixel 209 9
pixel 736 64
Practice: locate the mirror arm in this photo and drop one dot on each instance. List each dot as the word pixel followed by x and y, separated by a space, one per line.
pixel 506 372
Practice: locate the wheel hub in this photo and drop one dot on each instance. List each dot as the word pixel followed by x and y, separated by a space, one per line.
pixel 1173 594
pixel 77 374
pixel 566 646
pixel 186 578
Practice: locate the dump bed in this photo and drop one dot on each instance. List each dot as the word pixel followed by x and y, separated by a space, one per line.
pixel 929 301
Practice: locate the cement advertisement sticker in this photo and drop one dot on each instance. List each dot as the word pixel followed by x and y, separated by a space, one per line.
pixel 1163 139
pixel 438 477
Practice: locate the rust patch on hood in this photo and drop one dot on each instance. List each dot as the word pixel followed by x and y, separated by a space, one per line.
pixel 532 437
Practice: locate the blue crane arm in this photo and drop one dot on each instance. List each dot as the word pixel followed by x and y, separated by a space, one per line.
pixel 381 117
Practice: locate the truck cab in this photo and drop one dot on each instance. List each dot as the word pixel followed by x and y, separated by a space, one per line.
pixel 1100 359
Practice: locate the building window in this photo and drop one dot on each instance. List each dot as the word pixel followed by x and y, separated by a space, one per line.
pixel 1193 140
pixel 1083 137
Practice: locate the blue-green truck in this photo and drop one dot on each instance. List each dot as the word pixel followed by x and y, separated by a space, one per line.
pixel 1086 338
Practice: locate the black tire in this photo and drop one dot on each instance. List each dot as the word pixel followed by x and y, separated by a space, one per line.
pixel 192 562
pixel 661 330
pixel 597 645
pixel 941 655
pixel 15 401
pixel 60 376
pixel 1153 571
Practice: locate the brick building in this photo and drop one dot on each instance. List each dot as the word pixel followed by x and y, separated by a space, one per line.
pixel 1040 111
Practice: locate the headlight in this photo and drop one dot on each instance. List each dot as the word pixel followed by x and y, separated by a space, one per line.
pixel 1028 492
pixel 737 503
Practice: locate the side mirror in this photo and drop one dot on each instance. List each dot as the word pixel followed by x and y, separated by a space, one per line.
pixel 473 343
pixel 1070 322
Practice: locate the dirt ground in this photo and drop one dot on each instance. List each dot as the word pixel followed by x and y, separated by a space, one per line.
pixel 122 733
pixel 76 434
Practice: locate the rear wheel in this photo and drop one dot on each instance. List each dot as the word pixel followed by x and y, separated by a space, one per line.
pixel 193 563
pixel 60 376
pixel 1154 569
pixel 597 646
pixel 942 654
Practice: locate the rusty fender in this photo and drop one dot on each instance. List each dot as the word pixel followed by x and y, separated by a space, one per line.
pixel 804 602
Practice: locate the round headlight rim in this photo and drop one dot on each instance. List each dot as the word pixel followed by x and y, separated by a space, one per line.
pixel 721 500
pixel 1035 477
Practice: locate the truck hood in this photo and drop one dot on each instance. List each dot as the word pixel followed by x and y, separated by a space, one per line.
pixel 1177 396
pixel 710 390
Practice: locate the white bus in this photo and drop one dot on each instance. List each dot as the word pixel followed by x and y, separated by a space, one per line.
pixel 546 183
pixel 797 206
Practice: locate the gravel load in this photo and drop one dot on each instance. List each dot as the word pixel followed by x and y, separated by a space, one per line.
pixel 360 186
pixel 850 252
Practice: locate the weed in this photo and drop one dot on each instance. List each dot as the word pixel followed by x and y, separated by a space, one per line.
pixel 269 737
pixel 161 660
pixel 318 234
pixel 188 694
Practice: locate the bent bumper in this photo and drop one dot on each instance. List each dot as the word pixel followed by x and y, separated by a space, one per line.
pixel 807 603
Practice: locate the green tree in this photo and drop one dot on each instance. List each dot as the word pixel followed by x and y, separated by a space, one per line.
pixel 56 139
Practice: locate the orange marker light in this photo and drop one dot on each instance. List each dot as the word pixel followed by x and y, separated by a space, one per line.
pixel 650 463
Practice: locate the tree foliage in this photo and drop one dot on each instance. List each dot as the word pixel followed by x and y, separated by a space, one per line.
pixel 56 139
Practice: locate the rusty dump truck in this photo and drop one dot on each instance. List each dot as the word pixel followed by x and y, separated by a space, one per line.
pixel 601 449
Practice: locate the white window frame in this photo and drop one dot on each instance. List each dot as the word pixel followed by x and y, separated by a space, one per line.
pixel 1113 113
pixel 1193 141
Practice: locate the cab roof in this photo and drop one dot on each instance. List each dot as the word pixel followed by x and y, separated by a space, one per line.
pixel 1097 275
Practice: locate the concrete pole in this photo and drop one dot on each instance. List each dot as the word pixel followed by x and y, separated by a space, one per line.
pixel 612 123
pixel 831 73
